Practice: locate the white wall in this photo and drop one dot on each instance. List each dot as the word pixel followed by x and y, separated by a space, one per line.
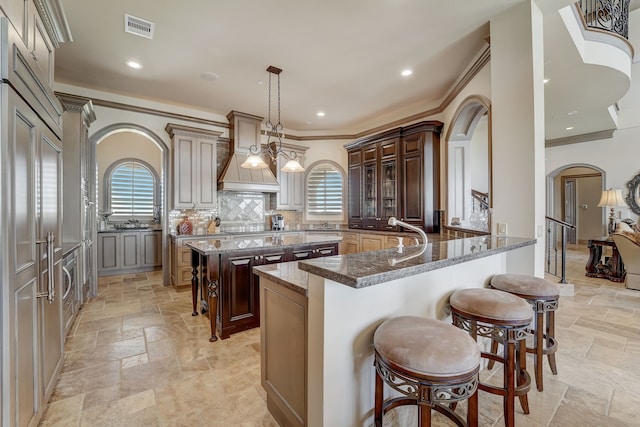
pixel 617 156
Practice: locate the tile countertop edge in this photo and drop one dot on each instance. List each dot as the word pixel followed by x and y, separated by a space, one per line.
pixel 386 275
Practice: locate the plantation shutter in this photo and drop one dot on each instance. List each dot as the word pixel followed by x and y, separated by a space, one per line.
pixel 324 190
pixel 132 191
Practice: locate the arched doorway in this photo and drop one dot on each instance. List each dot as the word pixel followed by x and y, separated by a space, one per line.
pixel 157 150
pixel 573 193
pixel 468 163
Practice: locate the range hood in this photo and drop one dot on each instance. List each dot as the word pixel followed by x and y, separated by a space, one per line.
pixel 244 131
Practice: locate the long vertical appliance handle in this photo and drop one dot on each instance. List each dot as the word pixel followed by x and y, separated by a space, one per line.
pixel 51 291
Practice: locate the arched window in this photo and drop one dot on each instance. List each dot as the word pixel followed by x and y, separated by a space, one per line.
pixel 325 189
pixel 131 190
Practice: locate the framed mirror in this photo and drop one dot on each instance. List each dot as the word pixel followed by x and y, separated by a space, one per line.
pixel 633 195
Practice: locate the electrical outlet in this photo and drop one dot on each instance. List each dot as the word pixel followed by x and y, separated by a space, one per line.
pixel 540 231
pixel 502 229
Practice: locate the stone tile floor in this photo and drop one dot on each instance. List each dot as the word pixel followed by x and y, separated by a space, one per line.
pixel 136 357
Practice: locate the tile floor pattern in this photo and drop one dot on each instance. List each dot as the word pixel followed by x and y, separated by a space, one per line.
pixel 136 357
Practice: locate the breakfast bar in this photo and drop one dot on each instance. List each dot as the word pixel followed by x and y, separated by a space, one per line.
pixel 320 371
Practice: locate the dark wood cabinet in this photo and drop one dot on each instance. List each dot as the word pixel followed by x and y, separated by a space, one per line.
pixel 395 173
pixel 239 293
pixel 238 286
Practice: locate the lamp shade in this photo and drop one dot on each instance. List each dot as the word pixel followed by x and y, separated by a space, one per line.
pixel 611 198
pixel 254 162
pixel 292 166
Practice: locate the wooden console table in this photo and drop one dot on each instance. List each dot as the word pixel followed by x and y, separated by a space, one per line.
pixel 611 267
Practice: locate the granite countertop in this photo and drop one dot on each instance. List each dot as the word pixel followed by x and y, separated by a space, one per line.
pixel 213 246
pixel 370 268
pixel 236 234
pixel 129 230
pixel 286 274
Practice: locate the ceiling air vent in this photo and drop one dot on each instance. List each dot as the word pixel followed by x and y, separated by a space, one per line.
pixel 138 26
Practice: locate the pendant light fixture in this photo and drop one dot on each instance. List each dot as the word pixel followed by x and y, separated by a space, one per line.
pixel 274 139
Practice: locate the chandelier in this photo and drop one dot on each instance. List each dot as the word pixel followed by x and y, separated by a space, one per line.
pixel 275 135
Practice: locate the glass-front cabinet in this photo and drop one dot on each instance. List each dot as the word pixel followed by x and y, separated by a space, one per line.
pixel 395 173
pixel 370 193
pixel 380 185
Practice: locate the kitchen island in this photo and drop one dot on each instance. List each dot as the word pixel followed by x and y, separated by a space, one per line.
pixel 319 316
pixel 229 290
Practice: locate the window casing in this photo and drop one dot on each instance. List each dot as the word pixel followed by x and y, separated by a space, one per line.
pixel 132 190
pixel 324 190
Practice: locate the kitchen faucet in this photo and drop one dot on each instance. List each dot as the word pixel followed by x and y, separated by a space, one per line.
pixel 393 222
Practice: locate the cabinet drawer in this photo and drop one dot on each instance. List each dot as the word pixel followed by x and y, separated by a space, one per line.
pixel 184 276
pixel 370 244
pixel 184 256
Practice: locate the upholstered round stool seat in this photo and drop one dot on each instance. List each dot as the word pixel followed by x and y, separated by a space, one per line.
pixel 527 287
pixel 426 347
pixel 543 296
pixel 492 305
pixel 431 363
pixel 503 318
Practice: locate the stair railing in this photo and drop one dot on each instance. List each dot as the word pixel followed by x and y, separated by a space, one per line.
pixel 557 258
pixel 607 15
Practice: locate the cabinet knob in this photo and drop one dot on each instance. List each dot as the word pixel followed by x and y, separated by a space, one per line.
pixel 256 257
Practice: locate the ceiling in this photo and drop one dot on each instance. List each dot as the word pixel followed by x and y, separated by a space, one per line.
pixel 342 57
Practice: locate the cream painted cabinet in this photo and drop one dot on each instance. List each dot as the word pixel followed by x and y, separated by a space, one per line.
pixel 371 242
pixel 129 251
pixel 194 167
pixel 291 195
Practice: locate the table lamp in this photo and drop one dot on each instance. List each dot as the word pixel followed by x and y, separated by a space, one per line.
pixel 611 199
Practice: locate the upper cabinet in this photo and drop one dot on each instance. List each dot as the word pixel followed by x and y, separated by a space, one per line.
pixel 395 173
pixel 29 37
pixel 193 166
pixel 291 194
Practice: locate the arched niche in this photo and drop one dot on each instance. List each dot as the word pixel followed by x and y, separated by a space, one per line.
pixel 468 164
pixel 164 172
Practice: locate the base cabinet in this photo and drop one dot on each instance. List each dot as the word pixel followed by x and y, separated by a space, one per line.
pixel 129 252
pixel 283 356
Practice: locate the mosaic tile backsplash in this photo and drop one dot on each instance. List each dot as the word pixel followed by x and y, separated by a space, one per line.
pixel 238 212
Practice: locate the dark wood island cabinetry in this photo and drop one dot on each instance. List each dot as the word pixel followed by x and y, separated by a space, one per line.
pixel 230 289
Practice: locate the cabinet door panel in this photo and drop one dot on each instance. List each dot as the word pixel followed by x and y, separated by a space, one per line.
pixel 206 177
pixel 151 249
pixel 183 184
pixel 355 193
pixel 108 251
pixel 130 250
pixel 239 287
pixel 413 201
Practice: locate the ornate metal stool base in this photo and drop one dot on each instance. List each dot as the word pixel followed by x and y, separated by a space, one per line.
pixel 543 297
pixel 505 319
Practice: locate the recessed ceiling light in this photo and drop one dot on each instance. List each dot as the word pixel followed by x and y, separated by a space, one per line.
pixel 572 112
pixel 320 114
pixel 546 81
pixel 133 64
pixel 260 82
pixel 209 76
pixel 569 127
pixel 406 73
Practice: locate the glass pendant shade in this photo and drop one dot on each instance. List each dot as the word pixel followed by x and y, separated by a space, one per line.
pixel 254 162
pixel 292 166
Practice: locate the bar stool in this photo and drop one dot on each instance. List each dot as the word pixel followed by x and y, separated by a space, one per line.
pixel 503 318
pixel 431 364
pixel 543 297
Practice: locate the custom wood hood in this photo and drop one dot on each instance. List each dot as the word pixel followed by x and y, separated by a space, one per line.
pixel 244 131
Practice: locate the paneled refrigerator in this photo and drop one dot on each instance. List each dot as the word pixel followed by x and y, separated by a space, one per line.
pixel 30 230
